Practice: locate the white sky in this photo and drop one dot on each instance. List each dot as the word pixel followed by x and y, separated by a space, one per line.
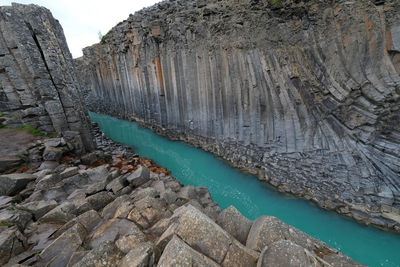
pixel 83 19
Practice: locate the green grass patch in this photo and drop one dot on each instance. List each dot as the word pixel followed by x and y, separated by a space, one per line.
pixel 1 114
pixel 32 130
pixel 6 224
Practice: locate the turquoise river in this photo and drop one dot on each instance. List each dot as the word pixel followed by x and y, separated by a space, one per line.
pixel 229 186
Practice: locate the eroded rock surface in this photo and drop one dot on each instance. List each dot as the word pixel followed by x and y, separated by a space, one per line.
pixel 38 83
pixel 303 94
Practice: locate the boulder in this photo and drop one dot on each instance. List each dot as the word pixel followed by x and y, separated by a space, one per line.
pixel 89 220
pixel 139 177
pixel 12 184
pixel 68 172
pixel 7 163
pixel 99 200
pixel 48 165
pixel 235 223
pixel 208 238
pixel 16 217
pixel 111 230
pixel 148 211
pixel 268 229
pixel 285 253
pixel 52 153
pixel 139 256
pixel 98 174
pixel 117 184
pixel 61 214
pixel 12 242
pixel 105 254
pixel 123 205
pixel 48 181
pixel 132 240
pixel 59 252
pixel 38 208
pixel 177 253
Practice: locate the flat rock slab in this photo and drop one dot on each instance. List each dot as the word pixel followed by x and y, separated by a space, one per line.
pixel 15 142
pixel 11 184
pixel 60 251
pixel 12 243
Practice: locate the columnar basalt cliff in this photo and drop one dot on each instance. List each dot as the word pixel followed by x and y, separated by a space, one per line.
pixel 38 84
pixel 305 94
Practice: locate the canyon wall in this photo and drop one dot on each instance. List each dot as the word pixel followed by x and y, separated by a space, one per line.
pixel 38 82
pixel 305 94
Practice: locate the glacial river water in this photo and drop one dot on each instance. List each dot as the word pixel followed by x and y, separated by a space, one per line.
pixel 229 186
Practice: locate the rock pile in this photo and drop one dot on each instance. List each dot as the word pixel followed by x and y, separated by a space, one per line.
pixel 99 210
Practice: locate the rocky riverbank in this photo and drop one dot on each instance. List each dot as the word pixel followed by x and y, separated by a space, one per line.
pixel 105 209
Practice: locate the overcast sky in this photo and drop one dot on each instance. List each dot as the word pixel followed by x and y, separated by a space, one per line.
pixel 83 19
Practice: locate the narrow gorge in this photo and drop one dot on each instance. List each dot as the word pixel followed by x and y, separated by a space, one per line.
pixel 303 94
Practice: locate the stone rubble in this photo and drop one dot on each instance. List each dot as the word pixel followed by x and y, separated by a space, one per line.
pixel 104 214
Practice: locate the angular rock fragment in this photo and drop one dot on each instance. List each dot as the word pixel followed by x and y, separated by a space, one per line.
pixel 38 208
pixel 111 230
pixel 61 214
pixel 232 221
pixel 11 184
pixel 105 254
pixel 52 153
pixel 59 252
pixel 201 233
pixel 12 242
pixel 140 255
pixel 139 177
pixel 99 200
pixel 177 253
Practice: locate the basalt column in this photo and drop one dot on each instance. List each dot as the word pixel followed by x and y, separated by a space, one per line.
pixel 305 95
pixel 38 82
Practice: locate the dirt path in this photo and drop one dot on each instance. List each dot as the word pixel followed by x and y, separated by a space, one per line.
pixel 14 142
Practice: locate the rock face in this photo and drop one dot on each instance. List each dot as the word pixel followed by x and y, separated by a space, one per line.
pixel 304 94
pixel 38 84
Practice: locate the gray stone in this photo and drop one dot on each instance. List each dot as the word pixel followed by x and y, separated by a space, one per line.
pixel 38 208
pixel 111 230
pixel 52 153
pixel 11 184
pixel 139 177
pixel 50 165
pixel 105 254
pixel 139 256
pixel 16 217
pixel 177 253
pixel 48 181
pixel 285 253
pixel 200 232
pixel 61 214
pixel 232 221
pixel 99 200
pixel 59 252
pixel 68 172
pixel 134 239
pixel 12 242
pixel 9 163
